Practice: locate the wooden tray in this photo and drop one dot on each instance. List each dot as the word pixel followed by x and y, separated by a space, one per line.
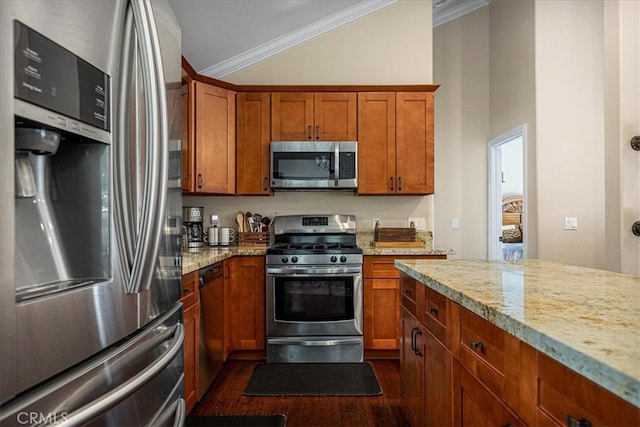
pixel 391 234
pixel 417 244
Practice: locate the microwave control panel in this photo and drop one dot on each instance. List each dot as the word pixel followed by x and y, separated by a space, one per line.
pixel 347 165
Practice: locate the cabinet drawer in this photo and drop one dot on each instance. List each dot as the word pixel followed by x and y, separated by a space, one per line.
pixel 489 353
pixel 435 314
pixel 189 289
pixel 564 395
pixel 380 267
pixel 408 294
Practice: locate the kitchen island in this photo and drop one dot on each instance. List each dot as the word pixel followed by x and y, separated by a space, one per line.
pixel 585 319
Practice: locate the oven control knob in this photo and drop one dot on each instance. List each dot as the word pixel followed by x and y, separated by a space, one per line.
pixel 334 258
pixel 284 259
pixel 294 259
pixel 343 258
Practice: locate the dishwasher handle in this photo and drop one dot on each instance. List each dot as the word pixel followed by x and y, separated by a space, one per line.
pixel 210 274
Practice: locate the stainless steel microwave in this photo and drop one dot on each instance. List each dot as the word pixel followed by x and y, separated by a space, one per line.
pixel 314 165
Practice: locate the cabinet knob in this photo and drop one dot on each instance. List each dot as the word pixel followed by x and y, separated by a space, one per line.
pixel 476 346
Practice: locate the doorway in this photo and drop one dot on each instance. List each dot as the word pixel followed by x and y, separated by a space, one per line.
pixel 507 224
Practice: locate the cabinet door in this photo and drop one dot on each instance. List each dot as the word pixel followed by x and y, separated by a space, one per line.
pixel 252 143
pixel 376 142
pixel 412 368
pixel 247 277
pixel 335 116
pixel 381 314
pixel 474 405
pixel 215 139
pixel 414 142
pixel 438 372
pixel 191 320
pixel 187 144
pixel 291 116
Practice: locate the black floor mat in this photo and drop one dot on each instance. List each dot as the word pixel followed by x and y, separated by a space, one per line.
pixel 235 421
pixel 313 379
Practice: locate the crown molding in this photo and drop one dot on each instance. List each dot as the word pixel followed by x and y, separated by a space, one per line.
pixel 447 14
pixel 295 38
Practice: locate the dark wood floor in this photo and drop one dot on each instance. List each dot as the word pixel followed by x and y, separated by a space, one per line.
pixel 224 397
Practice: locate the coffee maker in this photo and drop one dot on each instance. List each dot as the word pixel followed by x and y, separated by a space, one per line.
pixel 192 217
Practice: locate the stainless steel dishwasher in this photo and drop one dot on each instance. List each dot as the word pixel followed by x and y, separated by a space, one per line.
pixel 211 287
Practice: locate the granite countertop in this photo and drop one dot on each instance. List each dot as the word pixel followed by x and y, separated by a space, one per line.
pixel 586 319
pixel 195 259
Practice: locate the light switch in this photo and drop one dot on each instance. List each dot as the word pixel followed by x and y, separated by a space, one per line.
pixel 455 223
pixel 570 223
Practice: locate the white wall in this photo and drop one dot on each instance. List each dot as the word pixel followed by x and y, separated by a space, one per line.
pixel 391 46
pixel 461 66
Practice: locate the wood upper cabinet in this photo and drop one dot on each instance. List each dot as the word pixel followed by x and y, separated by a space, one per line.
pixel 188 141
pixel 215 130
pixel 395 144
pixel 325 116
pixel 247 300
pixel 253 134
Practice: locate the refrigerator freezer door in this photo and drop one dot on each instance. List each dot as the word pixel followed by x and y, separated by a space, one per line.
pixel 127 385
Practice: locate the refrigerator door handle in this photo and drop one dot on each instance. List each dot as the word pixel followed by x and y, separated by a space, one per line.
pixel 157 170
pixel 126 389
pixel 124 212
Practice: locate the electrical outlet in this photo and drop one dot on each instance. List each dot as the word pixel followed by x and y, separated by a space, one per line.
pixel 373 222
pixel 419 222
pixel 455 223
pixel 571 223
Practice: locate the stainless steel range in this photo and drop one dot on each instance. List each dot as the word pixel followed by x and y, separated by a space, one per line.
pixel 314 290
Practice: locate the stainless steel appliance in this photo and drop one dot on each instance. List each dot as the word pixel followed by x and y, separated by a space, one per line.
pixel 314 165
pixel 193 221
pixel 90 260
pixel 211 287
pixel 314 293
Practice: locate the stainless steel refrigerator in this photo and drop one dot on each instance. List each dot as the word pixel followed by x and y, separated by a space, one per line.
pixel 90 213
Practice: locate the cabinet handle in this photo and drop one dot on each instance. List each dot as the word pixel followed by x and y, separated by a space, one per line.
pixel 413 339
pixel 309 132
pixel 317 132
pixel 433 311
pixel 399 183
pixel 186 291
pixel 391 183
pixel 572 422
pixel 266 181
pixel 199 180
pixel 416 350
pixel 476 345
pixel 408 292
pixel 508 425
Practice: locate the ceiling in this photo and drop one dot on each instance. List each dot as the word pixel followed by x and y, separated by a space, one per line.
pixel 220 37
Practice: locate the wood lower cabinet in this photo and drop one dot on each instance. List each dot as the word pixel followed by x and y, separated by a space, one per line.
pixel 246 302
pixel 396 143
pixel 382 301
pixel 412 375
pixel 305 116
pixel 475 373
pixel 191 321
pixel 253 135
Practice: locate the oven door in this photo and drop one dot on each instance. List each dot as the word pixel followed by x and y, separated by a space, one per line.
pixel 314 301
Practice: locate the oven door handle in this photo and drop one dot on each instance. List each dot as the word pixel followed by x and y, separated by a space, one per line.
pixel 315 343
pixel 311 271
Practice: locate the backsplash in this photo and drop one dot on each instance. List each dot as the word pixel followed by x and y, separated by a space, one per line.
pixel 392 210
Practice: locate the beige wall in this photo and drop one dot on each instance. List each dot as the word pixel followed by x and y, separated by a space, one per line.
pixel 391 46
pixel 570 131
pixel 461 66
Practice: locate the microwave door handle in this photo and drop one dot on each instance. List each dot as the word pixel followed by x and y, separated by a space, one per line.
pixel 336 153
